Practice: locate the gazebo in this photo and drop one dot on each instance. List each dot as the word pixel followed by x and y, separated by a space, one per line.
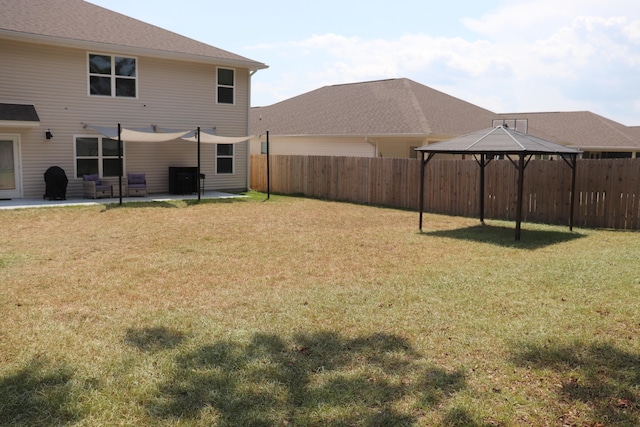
pixel 500 140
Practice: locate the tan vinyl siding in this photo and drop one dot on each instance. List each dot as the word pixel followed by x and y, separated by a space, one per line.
pixel 398 147
pixel 155 159
pixel 316 146
pixel 171 94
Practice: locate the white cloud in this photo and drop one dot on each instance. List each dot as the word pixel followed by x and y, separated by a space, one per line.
pixel 555 60
pixel 633 31
pixel 531 20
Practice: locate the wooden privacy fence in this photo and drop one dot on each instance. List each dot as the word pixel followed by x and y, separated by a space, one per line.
pixel 607 191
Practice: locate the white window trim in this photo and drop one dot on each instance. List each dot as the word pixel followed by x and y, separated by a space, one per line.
pixel 100 156
pixel 233 161
pixel 218 85
pixel 113 76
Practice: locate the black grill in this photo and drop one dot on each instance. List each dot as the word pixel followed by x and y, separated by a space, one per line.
pixel 56 184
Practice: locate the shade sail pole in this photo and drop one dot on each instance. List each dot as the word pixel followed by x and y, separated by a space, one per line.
pixel 120 163
pixel 198 170
pixel 268 170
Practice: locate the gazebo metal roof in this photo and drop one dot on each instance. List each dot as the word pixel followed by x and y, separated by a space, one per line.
pixel 500 140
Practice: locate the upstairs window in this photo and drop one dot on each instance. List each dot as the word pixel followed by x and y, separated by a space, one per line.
pixel 226 86
pixel 112 76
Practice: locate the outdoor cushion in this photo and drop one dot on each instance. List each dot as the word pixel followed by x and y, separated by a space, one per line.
pixel 136 179
pixel 96 178
pixel 137 184
pixel 93 177
pixel 94 188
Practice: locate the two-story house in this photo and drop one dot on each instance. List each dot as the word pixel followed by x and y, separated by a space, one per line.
pixel 67 66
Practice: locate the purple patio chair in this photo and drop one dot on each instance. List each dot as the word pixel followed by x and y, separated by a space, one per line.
pixel 137 184
pixel 94 188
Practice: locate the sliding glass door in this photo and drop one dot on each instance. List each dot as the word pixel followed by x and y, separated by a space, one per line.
pixel 9 165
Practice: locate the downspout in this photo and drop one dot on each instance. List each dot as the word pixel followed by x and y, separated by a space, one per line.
pixel 375 145
pixel 248 160
pixel 120 163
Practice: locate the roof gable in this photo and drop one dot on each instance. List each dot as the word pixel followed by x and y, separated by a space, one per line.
pixel 77 22
pixel 383 107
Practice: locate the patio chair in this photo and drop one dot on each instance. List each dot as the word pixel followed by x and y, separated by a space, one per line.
pixel 94 188
pixel 137 184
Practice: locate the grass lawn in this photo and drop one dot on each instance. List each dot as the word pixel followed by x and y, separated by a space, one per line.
pixel 300 312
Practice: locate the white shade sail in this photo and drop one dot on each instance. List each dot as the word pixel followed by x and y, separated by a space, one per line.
pixel 139 135
pixel 155 134
pixel 212 138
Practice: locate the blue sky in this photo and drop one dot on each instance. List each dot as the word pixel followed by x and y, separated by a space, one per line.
pixel 506 56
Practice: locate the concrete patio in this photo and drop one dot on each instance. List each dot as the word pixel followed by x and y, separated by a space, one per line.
pixel 77 201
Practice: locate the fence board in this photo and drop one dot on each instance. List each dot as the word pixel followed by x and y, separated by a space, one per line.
pixel 607 191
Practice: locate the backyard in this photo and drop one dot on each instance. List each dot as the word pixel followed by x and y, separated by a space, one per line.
pixel 303 312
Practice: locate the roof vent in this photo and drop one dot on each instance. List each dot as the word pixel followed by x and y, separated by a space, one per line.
pixel 519 125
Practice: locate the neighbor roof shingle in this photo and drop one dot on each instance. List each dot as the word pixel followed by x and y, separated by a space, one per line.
pixel 582 129
pixel 77 21
pixel 402 107
pixel 383 107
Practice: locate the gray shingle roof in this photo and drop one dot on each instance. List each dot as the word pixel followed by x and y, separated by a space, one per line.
pixel 73 22
pixel 18 113
pixel 582 129
pixel 382 108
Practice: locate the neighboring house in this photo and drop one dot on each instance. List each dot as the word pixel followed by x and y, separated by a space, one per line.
pixel 67 63
pixel 389 118
pixel 385 118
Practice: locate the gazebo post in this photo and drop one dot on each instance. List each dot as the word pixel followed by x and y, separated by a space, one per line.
pixel 482 165
pixel 421 198
pixel 520 191
pixel 574 165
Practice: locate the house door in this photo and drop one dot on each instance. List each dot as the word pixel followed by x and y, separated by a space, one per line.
pixel 9 168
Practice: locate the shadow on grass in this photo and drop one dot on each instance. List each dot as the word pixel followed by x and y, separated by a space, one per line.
pixel 223 201
pixel 152 340
pixel 151 204
pixel 602 376
pixel 37 395
pixel 461 418
pixel 178 203
pixel 310 379
pixel 505 236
